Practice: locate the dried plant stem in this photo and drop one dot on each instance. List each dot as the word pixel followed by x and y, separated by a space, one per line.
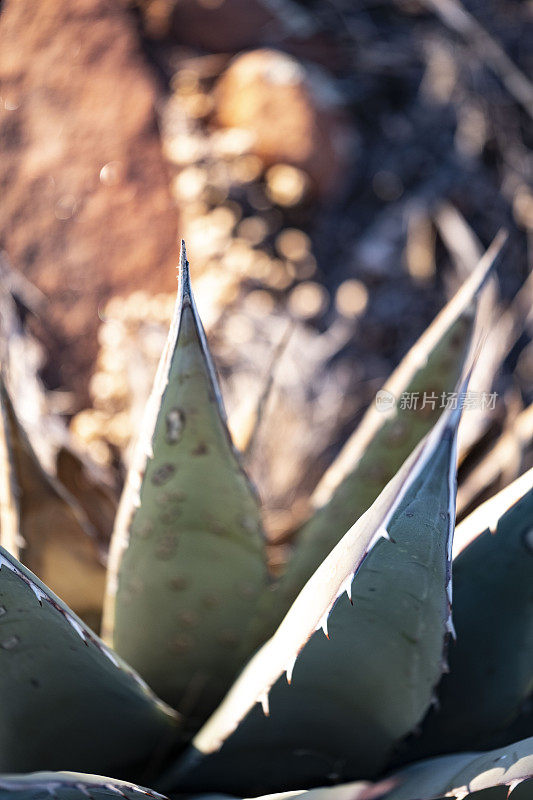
pixel 487 49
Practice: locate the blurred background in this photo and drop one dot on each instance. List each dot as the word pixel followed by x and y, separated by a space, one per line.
pixel 336 168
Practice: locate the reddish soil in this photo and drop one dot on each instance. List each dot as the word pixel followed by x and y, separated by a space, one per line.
pixel 86 211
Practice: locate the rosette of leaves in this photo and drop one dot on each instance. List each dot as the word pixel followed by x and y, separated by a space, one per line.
pixel 341 674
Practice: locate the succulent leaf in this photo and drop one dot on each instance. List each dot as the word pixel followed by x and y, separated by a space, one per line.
pixel 55 538
pixel 491 663
pixel 354 695
pixel 462 774
pixel 70 786
pixel 91 486
pixel 481 776
pixel 67 700
pixel 187 561
pixel 521 727
pixel 384 438
pixel 360 790
pixel 488 515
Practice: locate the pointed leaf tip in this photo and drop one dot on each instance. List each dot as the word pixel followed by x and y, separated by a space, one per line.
pixel 384 439
pixel 426 479
pixel 188 520
pixel 184 278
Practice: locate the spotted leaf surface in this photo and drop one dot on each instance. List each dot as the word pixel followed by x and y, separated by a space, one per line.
pixel 66 700
pixel 187 560
pixel 355 694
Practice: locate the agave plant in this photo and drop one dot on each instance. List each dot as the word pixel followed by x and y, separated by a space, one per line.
pixel 212 677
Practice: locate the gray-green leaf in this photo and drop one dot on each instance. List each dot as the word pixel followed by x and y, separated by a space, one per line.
pixel 70 786
pixel 187 561
pixel 491 663
pixel 67 700
pixel 355 695
pixel 466 776
pixel 384 438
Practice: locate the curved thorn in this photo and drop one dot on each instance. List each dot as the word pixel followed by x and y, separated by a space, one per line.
pixel 289 669
pixel 263 699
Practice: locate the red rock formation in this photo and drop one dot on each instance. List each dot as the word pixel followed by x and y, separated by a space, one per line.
pixel 294 113
pixel 86 211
